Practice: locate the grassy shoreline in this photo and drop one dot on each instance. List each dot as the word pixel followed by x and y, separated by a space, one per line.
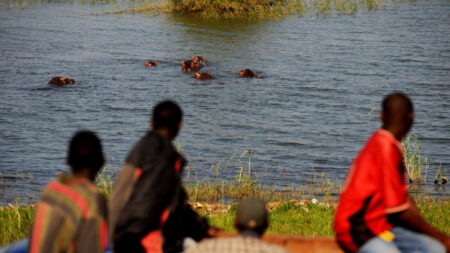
pixel 289 215
pixel 303 210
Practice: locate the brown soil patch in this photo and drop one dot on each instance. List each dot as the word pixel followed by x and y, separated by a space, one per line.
pixel 299 244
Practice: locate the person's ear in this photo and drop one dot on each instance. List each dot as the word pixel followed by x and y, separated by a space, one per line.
pixel 151 123
pixel 180 125
pixel 382 116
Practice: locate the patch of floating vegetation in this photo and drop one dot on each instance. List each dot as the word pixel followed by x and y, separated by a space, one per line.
pixel 227 9
pixel 257 9
pixel 260 9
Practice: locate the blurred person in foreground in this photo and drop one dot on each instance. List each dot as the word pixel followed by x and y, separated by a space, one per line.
pixel 375 212
pixel 71 214
pixel 251 222
pixel 149 208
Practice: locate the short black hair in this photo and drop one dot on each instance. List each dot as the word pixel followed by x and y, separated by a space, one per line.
pixel 167 114
pixel 397 103
pixel 85 151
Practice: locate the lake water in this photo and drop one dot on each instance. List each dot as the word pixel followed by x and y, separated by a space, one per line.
pixel 317 101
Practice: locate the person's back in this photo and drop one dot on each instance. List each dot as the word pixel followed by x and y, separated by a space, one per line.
pixel 251 222
pixel 149 209
pixel 71 214
pixel 372 187
pixel 375 212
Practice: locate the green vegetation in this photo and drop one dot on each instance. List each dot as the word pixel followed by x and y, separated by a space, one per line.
pixel 226 9
pixel 244 184
pixel 15 223
pixel 316 219
pixel 416 165
pixel 289 217
pixel 255 9
pixel 215 190
pixel 301 210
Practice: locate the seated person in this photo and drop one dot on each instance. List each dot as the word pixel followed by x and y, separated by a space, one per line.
pixel 149 209
pixel 375 212
pixel 71 214
pixel 251 223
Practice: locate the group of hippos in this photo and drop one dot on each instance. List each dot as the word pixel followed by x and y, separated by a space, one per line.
pixel 194 64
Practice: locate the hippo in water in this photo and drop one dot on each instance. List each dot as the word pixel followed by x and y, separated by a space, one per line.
pixel 188 65
pixel 61 81
pixel 149 64
pixel 246 73
pixel 203 76
pixel 198 59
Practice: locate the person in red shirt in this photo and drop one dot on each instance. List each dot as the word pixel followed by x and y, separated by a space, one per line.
pixel 375 212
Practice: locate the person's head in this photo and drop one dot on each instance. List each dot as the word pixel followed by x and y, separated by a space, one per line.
pixel 167 118
pixel 397 114
pixel 251 215
pixel 85 155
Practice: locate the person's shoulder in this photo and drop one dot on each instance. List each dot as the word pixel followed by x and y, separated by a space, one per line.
pixel 149 140
pixel 218 245
pixel 261 246
pixel 273 248
pixel 208 245
pixel 235 244
pixel 153 142
pixel 76 194
pixel 380 140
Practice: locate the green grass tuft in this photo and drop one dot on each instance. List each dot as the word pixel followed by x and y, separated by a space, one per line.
pixel 15 223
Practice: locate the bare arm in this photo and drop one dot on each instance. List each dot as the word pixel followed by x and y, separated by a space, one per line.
pixel 411 219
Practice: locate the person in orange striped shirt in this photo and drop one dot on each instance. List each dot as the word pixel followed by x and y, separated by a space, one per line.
pixel 71 214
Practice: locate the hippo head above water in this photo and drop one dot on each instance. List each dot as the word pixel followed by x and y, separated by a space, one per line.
pixel 188 65
pixel 149 64
pixel 246 73
pixel 198 59
pixel 61 81
pixel 203 76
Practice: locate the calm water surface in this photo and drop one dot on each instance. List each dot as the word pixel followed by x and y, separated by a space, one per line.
pixel 315 105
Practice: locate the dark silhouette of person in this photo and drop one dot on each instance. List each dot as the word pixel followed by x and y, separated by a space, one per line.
pixel 149 208
pixel 375 212
pixel 71 214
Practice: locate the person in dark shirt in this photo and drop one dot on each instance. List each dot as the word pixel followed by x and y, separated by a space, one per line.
pixel 149 208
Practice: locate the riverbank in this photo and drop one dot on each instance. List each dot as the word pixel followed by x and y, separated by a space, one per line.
pixel 312 217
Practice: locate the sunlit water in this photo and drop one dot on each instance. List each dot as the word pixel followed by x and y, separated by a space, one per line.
pixel 317 101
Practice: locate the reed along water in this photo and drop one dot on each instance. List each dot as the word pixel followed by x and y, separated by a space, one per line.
pixel 316 102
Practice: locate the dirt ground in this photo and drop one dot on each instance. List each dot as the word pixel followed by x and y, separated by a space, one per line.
pixel 299 244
